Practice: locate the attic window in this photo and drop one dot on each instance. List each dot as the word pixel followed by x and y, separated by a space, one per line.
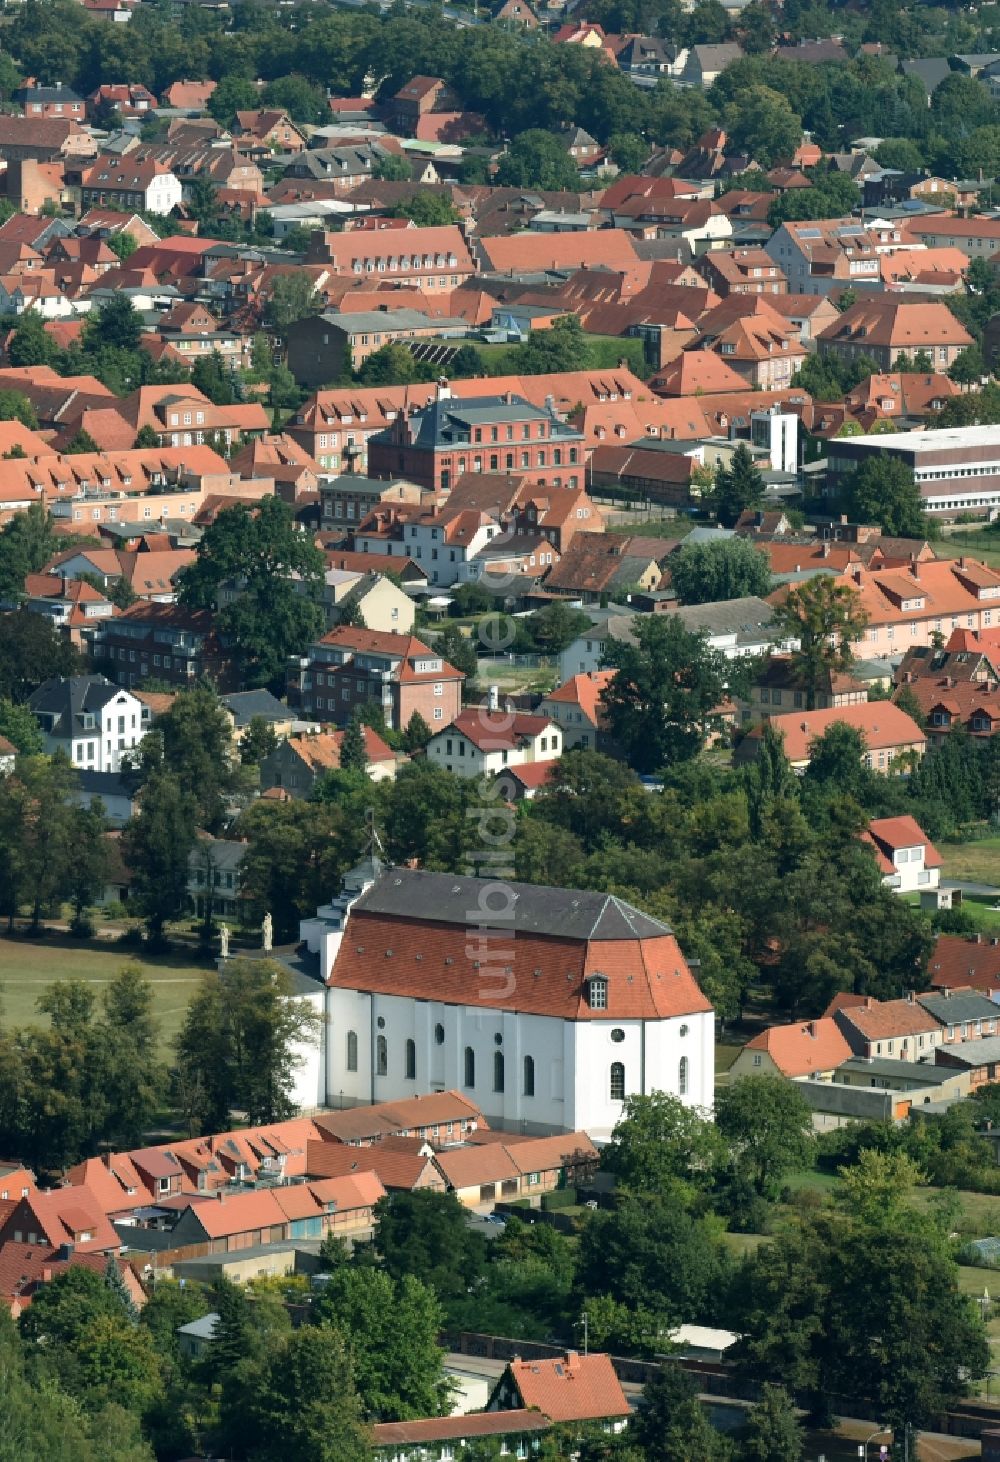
pixel 597 993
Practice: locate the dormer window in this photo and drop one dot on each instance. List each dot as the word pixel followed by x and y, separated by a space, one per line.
pixel 597 993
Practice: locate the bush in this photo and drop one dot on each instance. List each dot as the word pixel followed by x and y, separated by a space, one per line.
pixel 131 938
pixel 115 911
pixel 81 926
pixel 561 1198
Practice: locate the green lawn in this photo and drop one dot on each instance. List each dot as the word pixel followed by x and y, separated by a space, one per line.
pixel 27 966
pixel 978 861
pixel 981 543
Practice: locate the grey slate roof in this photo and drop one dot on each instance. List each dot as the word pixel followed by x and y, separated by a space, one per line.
pixel 727 616
pixel 202 1329
pixel 70 696
pixel 931 71
pixel 958 1007
pixel 245 704
pixel 563 913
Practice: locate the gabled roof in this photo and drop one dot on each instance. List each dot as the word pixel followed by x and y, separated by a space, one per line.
pixel 804 1047
pixel 892 833
pixel 958 961
pixel 882 725
pixel 879 1020
pixel 573 1388
pixel 320 751
pixel 584 692
pixel 955 1006
pixel 356 1124
pixel 497 730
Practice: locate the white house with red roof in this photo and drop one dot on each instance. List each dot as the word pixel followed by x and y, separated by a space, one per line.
pixel 544 1006
pixel 577 707
pixel 481 743
pixel 907 859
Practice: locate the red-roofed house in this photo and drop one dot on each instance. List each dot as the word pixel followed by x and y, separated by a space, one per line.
pixel 25 1268
pixel 576 707
pixel 973 963
pixel 907 859
pixel 901 1029
pixel 803 1051
pixel 351 667
pixel 298 762
pixel 480 742
pixel 571 1388
pixel 64 1216
pixel 888 733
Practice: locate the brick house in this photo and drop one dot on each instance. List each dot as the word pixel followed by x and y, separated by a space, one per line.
pixel 438 445
pixel 55 102
pixel 742 271
pixel 419 98
pixel 349 668
pixel 167 641
pixel 296 764
pixel 272 129
pixel 900 1029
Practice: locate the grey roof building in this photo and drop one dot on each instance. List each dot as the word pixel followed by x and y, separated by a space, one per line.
pixel 89 719
pixel 962 1008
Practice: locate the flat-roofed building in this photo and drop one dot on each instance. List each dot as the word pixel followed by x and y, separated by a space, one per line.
pixel 957 469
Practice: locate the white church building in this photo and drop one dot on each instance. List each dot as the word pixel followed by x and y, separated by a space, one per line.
pixel 547 1006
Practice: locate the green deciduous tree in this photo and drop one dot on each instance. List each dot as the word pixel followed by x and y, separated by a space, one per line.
pixel 844 1306
pixel 826 618
pixel 156 844
pixel 277 573
pixel 427 209
pixel 304 1403
pixel 883 490
pixel 773 1431
pixel 658 1142
pixel 257 741
pixel 237 1046
pixel 31 344
pixel 768 1125
pixel 760 122
pixel 27 543
pixel 196 737
pixel 20 728
pixel 393 365
pixel 392 1328
pixel 703 573
pixel 737 487
pixel 426 1234
pixel 537 159
pixel 660 702
pixel 293 297
pixel 117 325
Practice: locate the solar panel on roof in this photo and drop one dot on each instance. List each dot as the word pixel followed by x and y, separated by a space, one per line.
pixel 811 233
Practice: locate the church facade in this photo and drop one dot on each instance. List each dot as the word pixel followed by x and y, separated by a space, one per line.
pixel 547 1006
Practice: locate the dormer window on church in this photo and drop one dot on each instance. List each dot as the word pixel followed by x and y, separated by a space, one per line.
pixel 597 993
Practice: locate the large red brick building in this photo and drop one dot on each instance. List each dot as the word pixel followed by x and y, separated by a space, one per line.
pixel 349 668
pixel 442 442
